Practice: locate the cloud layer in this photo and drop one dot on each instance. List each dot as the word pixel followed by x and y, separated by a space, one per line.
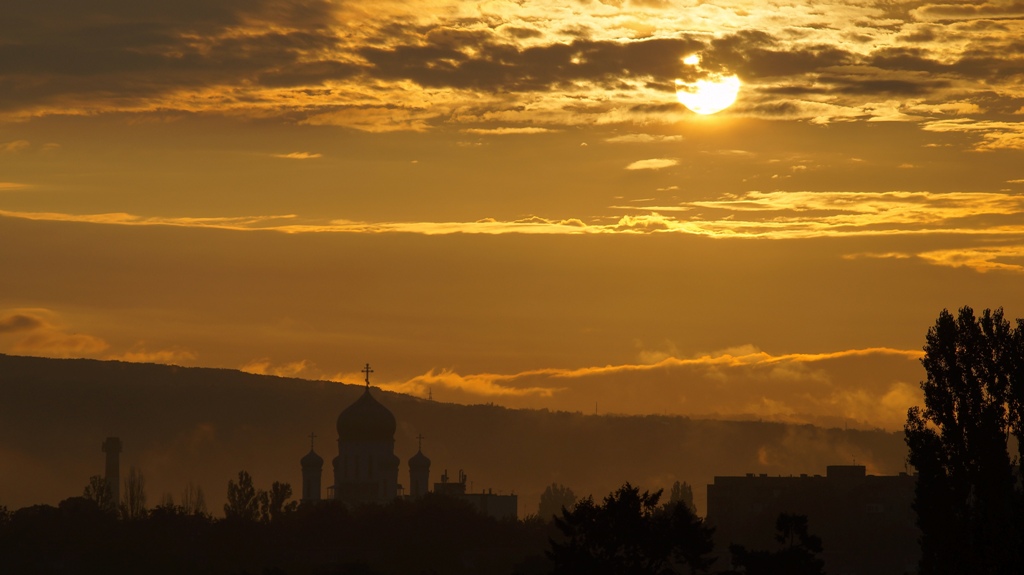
pixel 530 66
pixel 42 332
pixel 838 388
pixel 989 227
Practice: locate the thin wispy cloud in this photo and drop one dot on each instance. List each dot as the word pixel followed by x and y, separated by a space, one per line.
pixel 642 138
pixel 506 131
pixel 486 385
pixel 20 321
pixel 125 219
pixel 982 259
pixel 991 135
pixel 972 216
pixel 14 146
pixel 964 11
pixel 264 366
pixel 299 156
pixel 741 381
pixel 652 164
pixel 39 331
pixel 43 332
pixel 140 354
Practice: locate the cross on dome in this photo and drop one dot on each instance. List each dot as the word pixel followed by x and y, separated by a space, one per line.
pixel 367 371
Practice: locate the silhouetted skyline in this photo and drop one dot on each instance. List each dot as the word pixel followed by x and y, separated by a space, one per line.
pixel 201 426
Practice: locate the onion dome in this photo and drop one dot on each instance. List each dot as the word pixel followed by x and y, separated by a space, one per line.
pixel 311 459
pixel 419 461
pixel 366 419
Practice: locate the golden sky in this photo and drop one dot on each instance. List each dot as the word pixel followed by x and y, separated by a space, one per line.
pixel 506 202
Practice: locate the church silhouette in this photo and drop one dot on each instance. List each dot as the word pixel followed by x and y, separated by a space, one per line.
pixel 366 467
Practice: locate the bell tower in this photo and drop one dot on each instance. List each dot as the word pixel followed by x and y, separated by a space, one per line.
pixel 312 471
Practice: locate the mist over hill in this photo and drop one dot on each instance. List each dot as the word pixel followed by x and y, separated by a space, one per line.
pixel 203 425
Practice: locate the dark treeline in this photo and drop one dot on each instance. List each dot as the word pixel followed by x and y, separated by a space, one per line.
pixel 627 532
pixel 430 535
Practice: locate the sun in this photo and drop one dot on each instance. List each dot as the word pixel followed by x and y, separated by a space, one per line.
pixel 708 95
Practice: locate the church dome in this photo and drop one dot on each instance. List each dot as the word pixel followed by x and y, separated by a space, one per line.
pixel 311 459
pixel 419 460
pixel 366 419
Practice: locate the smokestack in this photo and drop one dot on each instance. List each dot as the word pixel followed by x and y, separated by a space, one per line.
pixel 112 447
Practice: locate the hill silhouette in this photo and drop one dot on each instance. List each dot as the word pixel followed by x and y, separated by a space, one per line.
pixel 203 425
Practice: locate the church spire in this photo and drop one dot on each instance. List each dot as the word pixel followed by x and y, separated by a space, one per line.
pixel 312 469
pixel 419 471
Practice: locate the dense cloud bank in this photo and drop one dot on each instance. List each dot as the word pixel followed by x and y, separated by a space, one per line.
pixel 416 66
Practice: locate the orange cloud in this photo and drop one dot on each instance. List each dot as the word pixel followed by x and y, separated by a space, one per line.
pixel 964 11
pixel 640 138
pixel 486 385
pixel 508 131
pixel 752 215
pixel 376 118
pixel 742 382
pixel 139 354
pixel 57 343
pixel 15 146
pixel 878 256
pixel 263 366
pixel 419 66
pixel 124 219
pixel 20 322
pixel 980 259
pixel 995 135
pixel 37 331
pixel 41 332
pixel 652 164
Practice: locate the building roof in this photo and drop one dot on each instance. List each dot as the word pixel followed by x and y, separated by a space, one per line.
pixel 311 459
pixel 366 419
pixel 419 460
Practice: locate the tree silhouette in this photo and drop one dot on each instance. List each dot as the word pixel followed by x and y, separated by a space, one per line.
pixel 434 534
pixel 555 498
pixel 690 537
pixel 682 493
pixel 274 504
pixel 167 501
pixel 798 554
pixel 98 490
pixel 193 501
pixel 134 504
pixel 967 506
pixel 628 533
pixel 243 499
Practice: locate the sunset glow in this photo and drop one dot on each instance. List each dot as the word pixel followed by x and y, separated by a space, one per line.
pixel 730 209
pixel 708 96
